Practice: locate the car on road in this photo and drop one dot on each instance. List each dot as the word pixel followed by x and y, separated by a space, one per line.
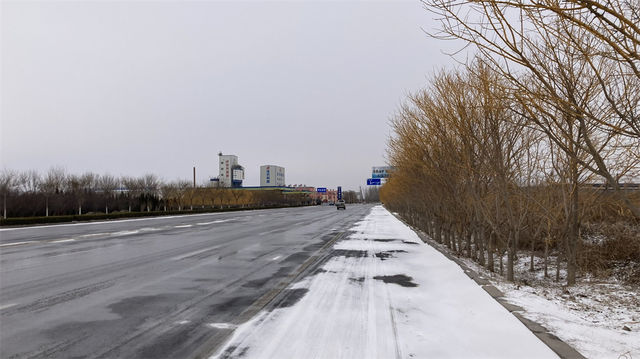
pixel 340 204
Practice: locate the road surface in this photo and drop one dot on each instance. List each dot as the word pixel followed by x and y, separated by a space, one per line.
pixel 167 287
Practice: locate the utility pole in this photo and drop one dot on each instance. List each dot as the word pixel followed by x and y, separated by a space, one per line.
pixel 194 176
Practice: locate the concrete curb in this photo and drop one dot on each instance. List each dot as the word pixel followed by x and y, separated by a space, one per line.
pixel 562 349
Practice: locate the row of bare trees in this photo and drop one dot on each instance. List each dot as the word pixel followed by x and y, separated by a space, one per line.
pixel 504 153
pixel 29 193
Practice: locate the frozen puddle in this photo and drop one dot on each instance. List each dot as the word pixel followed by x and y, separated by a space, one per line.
pixel 382 296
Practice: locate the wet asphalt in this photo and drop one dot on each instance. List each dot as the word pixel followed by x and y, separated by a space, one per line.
pixel 153 287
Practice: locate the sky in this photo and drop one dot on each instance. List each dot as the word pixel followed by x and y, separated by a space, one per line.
pixel 129 88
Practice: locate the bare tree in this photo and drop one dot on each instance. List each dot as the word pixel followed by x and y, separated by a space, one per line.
pixel 51 184
pixel 108 184
pixel 150 185
pixel 7 185
pixel 556 66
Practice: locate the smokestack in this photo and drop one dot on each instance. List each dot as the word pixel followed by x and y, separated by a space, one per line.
pixel 194 176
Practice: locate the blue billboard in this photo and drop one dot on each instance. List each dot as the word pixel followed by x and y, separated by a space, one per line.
pixel 321 190
pixel 373 181
pixel 380 172
pixel 339 193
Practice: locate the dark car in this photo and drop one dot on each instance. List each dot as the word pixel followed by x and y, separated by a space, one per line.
pixel 340 204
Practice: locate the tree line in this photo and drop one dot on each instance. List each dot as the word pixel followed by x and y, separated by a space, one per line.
pixel 56 193
pixel 532 144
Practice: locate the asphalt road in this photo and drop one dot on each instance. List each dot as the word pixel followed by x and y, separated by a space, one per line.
pixel 151 287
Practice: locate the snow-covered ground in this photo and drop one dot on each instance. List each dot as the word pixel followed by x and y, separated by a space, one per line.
pixel 589 316
pixel 384 294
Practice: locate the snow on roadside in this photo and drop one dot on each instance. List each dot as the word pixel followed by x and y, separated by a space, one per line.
pixel 577 327
pixel 589 316
pixel 384 294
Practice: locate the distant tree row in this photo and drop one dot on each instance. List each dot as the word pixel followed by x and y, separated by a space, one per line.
pixel 530 144
pixel 29 193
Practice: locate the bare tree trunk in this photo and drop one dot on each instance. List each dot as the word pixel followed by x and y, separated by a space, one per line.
pixel 558 260
pixel 490 250
pixel 571 242
pixel 546 257
pixel 531 266
pixel 482 237
pixel 438 237
pixel 511 253
pixel 447 239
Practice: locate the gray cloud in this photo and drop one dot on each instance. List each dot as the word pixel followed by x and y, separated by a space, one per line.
pixel 136 87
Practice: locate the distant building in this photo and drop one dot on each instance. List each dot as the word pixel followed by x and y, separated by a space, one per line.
pixel 231 173
pixel 272 176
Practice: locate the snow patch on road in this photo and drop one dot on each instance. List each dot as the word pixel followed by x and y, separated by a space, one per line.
pixel 410 302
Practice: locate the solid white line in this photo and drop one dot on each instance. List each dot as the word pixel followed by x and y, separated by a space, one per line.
pixel 222 325
pixel 63 240
pixel 17 243
pixel 123 220
pixel 124 233
pixel 184 226
pixel 8 306
pixel 177 258
pixel 94 235
pixel 218 221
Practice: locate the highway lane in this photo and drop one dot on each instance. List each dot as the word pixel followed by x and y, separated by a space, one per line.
pixel 158 287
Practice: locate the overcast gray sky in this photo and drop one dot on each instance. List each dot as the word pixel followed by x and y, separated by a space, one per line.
pixel 158 87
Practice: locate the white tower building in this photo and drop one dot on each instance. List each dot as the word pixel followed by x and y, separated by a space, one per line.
pixel 272 176
pixel 231 173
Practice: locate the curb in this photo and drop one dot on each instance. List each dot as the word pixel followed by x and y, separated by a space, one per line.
pixel 561 348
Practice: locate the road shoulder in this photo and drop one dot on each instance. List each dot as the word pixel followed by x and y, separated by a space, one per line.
pixel 383 294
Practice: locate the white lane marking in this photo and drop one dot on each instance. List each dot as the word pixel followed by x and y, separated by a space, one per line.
pixel 122 220
pixel 6 306
pixel 271 231
pixel 151 229
pixel 184 226
pixel 177 258
pixel 222 325
pixel 276 258
pixel 63 240
pixel 17 243
pixel 124 233
pixel 183 322
pixel 93 235
pixel 218 221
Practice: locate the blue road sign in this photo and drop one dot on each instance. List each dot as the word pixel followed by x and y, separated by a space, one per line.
pixel 321 189
pixel 373 181
pixel 339 193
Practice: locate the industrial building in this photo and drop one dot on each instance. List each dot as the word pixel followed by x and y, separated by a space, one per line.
pixel 231 173
pixel 272 176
